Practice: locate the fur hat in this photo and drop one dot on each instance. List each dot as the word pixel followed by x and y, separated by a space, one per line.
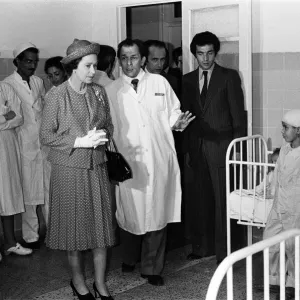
pixel 21 48
pixel 292 117
pixel 80 48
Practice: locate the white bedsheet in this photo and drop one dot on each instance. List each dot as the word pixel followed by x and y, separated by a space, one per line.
pixel 251 208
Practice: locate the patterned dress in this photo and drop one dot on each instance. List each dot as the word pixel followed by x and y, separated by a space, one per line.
pixel 81 214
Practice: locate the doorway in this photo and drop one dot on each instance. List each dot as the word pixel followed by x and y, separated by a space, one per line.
pixel 156 22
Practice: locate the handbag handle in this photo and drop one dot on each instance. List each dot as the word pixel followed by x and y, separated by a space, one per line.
pixel 112 145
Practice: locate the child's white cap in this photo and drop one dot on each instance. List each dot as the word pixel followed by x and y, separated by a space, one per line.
pixel 292 117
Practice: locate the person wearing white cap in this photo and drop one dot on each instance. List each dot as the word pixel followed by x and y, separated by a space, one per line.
pixel 11 195
pixel 285 213
pixel 30 90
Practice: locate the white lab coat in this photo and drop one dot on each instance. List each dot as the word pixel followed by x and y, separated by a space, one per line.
pixel 142 131
pixel 28 136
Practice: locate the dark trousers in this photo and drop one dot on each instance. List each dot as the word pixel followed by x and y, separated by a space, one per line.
pixel 207 209
pixel 150 247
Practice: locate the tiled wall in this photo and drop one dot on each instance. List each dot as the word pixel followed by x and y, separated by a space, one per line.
pixel 276 88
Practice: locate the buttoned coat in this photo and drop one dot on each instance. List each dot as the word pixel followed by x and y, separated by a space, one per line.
pixel 66 116
pixel 28 135
pixel 143 134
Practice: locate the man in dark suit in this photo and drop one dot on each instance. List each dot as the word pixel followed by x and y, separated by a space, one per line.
pixel 214 94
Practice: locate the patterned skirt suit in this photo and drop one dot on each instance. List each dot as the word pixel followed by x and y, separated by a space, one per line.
pixel 81 215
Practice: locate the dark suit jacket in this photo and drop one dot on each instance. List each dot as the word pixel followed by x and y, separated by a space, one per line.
pixel 220 120
pixel 173 81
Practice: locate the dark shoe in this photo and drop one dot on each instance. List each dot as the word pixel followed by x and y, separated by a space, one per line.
pixel 127 268
pixel 154 279
pixel 193 256
pixel 87 296
pixel 34 245
pixel 98 295
pixel 275 289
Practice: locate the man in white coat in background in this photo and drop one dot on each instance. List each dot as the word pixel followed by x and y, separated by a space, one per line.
pixel 145 110
pixel 31 91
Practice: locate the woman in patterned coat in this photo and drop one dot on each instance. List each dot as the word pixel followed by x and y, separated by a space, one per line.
pixel 76 118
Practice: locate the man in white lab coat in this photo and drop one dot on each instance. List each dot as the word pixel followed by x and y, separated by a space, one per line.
pixel 31 91
pixel 145 110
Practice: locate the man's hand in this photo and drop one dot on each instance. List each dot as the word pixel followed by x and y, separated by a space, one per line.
pixel 183 121
pixel 10 115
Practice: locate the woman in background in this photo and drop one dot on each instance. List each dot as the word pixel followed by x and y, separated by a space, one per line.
pixel 76 118
pixel 11 195
pixel 56 75
pixel 55 71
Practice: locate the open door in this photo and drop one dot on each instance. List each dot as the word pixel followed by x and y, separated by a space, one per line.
pixel 230 20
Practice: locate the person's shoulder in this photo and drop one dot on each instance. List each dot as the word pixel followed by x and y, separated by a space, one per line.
pixel 226 71
pixel 9 78
pixel 37 78
pixel 113 84
pixel 59 90
pixel 5 85
pixel 169 77
pixel 155 77
pixel 190 75
pixel 97 86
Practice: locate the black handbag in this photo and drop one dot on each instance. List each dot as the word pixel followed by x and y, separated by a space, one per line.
pixel 117 166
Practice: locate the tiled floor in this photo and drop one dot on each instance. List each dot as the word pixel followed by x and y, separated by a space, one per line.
pixel 45 275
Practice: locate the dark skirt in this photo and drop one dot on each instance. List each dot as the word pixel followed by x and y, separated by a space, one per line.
pixel 81 215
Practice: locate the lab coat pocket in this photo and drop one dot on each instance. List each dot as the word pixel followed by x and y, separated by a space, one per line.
pixel 157 104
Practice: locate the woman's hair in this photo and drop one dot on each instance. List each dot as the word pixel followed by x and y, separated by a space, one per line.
pixel 106 57
pixel 71 66
pixel 54 62
pixel 205 38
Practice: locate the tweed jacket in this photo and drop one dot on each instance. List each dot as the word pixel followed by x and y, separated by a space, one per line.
pixel 68 115
pixel 220 120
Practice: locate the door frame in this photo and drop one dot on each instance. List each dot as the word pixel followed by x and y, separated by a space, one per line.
pixel 121 15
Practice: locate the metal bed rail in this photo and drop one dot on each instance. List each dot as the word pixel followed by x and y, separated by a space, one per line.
pixel 246 166
pixel 226 267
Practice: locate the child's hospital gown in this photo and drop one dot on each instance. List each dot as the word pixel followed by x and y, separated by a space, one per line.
pixel 285 213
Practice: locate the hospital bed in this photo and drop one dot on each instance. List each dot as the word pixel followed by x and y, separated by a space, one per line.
pixel 225 268
pixel 247 165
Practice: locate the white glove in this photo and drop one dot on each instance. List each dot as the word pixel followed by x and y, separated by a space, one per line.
pixel 93 139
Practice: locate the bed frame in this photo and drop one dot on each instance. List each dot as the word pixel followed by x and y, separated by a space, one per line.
pixel 246 166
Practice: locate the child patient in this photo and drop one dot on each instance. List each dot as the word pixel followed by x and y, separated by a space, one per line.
pixel 270 183
pixel 285 213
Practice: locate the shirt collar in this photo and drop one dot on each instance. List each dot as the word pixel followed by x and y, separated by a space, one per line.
pixel 19 77
pixel 139 76
pixel 209 71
